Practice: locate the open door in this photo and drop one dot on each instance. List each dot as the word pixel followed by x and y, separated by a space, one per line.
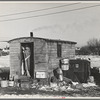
pixel 27 62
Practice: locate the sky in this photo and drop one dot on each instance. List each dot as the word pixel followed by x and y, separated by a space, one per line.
pixel 78 25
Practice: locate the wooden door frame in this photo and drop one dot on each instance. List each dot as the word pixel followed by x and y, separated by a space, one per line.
pixel 32 59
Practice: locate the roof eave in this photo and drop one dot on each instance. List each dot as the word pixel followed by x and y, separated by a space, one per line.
pixel 52 40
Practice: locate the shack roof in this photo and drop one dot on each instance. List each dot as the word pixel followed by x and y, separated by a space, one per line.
pixel 48 40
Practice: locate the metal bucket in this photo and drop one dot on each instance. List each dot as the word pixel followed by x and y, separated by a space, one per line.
pixel 65 61
pixel 65 67
pixel 4 83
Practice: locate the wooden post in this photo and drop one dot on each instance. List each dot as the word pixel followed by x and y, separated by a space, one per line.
pixel 48 76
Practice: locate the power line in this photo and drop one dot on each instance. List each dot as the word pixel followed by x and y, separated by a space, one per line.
pixel 51 13
pixel 38 10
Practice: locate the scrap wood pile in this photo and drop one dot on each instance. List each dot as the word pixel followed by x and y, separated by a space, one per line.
pixel 55 86
pixel 57 82
pixel 61 83
pixel 62 86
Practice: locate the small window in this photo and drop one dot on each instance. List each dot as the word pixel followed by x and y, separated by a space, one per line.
pixel 59 50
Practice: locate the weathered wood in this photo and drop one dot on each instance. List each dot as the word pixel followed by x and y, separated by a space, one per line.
pixel 45 54
pixel 14 59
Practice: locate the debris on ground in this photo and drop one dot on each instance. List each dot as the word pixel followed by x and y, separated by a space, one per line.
pixel 62 89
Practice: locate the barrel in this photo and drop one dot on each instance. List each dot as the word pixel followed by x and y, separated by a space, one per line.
pixel 4 83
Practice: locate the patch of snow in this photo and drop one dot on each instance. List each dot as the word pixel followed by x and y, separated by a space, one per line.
pixel 74 83
pixel 95 60
pixel 28 96
pixel 88 84
pixel 4 61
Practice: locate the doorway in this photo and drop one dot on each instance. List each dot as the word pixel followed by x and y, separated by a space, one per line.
pixel 27 56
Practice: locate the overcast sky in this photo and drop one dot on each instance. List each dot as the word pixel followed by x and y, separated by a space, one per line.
pixel 78 25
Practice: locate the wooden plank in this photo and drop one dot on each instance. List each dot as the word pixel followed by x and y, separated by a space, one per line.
pixel 41 66
pixel 14 58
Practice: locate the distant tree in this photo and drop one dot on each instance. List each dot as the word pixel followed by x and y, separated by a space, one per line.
pixel 94 46
pixel 84 51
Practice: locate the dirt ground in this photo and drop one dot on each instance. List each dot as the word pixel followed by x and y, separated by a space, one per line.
pixel 93 91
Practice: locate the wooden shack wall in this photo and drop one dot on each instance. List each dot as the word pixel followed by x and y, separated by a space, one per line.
pixel 68 50
pixel 40 55
pixel 14 58
pixel 45 54
pixel 40 63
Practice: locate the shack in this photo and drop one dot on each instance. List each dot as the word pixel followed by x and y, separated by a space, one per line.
pixel 37 57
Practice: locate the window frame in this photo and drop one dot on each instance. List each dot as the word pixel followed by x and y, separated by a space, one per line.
pixel 59 50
